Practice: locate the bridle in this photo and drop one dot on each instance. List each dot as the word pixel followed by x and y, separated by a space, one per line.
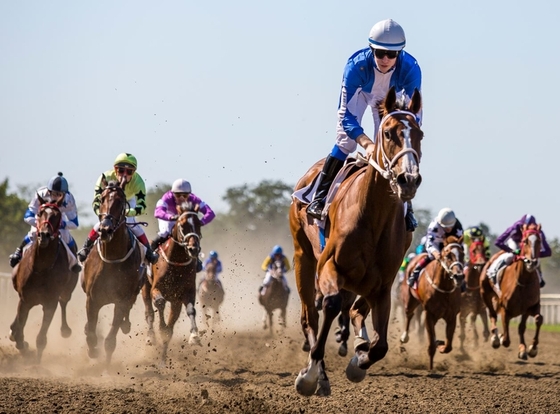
pixel 55 228
pixel 387 170
pixel 184 240
pixel 107 220
pixel 454 247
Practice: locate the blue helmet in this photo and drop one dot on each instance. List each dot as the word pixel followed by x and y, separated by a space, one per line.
pixel 276 250
pixel 58 183
pixel 213 254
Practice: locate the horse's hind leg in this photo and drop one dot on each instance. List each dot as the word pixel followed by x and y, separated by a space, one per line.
pixel 473 327
pixel 41 341
pixel 521 330
pixel 167 331
pixel 16 328
pixel 64 298
pixel 484 317
pixel 92 312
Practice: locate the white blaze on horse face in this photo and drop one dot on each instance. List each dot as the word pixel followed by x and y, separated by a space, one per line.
pixel 409 163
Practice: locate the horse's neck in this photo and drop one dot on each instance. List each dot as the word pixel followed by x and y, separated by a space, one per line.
pixel 119 244
pixel 375 194
pixel 173 250
pixel 439 275
pixel 44 257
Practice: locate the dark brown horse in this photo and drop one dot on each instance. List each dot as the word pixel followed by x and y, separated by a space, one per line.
pixel 43 278
pixel 275 297
pixel 439 292
pixel 519 293
pixel 173 278
pixel 366 241
pixel 471 300
pixel 210 295
pixel 113 271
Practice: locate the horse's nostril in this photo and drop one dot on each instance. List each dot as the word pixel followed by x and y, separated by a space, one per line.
pixel 418 181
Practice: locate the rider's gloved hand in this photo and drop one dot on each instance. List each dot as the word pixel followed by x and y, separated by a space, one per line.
pixel 516 252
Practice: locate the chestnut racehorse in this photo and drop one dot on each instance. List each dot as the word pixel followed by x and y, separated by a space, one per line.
pixel 471 300
pixel 366 241
pixel 519 293
pixel 173 278
pixel 275 297
pixel 112 272
pixel 439 292
pixel 43 278
pixel 210 295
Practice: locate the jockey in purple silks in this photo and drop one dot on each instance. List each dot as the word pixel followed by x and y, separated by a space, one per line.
pixel 509 241
pixel 166 211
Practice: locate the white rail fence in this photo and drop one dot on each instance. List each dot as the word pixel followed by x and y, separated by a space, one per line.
pixel 550 303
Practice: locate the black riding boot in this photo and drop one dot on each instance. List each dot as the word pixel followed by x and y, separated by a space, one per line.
pixel 198 265
pixel 157 242
pixel 84 251
pixel 413 278
pixel 151 256
pixel 410 221
pixel 330 169
pixel 15 257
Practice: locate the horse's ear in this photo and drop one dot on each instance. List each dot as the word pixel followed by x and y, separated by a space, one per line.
pixel 415 104
pixel 41 199
pixel 390 100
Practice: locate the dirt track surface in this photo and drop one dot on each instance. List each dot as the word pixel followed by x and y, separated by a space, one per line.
pixel 240 368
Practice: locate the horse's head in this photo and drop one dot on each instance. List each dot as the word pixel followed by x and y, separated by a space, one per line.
pixel 453 257
pixel 277 269
pixel 112 210
pixel 398 143
pixel 210 269
pixel 477 253
pixel 49 219
pixel 186 232
pixel 531 246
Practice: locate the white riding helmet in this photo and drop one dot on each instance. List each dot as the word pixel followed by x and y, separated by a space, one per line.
pixel 387 35
pixel 446 218
pixel 181 186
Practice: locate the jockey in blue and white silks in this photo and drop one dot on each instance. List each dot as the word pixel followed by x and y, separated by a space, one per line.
pixel 368 75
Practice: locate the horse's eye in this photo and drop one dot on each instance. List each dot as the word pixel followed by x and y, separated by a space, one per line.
pixel 387 133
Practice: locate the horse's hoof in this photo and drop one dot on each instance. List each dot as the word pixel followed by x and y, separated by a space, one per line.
pixel 194 339
pixel 65 332
pixel 305 346
pixel 125 327
pixel 342 350
pixel 533 351
pixel 159 302
pixel 324 389
pixel 495 342
pixel 12 338
pixel 338 334
pixel 523 356
pixel 353 372
pixel 93 353
pixel 22 346
pixel 305 387
pixel 404 337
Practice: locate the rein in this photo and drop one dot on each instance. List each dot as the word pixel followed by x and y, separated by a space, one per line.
pixel 387 170
pixel 55 232
pixel 447 270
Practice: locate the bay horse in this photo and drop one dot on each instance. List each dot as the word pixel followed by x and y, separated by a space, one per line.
pixel 210 295
pixel 519 293
pixel 439 293
pixel 275 297
pixel 366 241
pixel 173 278
pixel 471 300
pixel 113 271
pixel 43 278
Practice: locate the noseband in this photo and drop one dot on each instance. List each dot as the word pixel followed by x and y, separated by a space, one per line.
pixel 114 224
pixel 387 171
pixel 184 242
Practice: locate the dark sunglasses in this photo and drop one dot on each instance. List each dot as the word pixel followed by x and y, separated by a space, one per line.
pixel 128 171
pixel 381 53
pixel 184 195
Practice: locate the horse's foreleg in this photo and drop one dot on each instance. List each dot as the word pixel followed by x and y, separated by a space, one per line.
pixel 409 308
pixel 119 314
pixel 432 342
pixel 41 341
pixel 533 348
pixel 16 328
pixel 484 317
pixel 64 298
pixel 92 313
pixel 194 339
pixel 148 312
pixel 462 325
pixel 167 331
pixel 487 298
pixel 450 325
pixel 522 354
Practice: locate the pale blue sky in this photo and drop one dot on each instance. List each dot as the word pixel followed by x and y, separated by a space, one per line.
pixel 224 93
